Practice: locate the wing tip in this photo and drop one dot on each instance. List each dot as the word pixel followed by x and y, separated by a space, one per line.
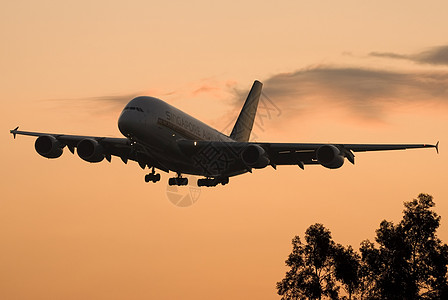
pixel 14 131
pixel 437 147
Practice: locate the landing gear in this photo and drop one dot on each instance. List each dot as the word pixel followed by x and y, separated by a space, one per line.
pixel 152 176
pixel 179 180
pixel 209 182
pixel 225 180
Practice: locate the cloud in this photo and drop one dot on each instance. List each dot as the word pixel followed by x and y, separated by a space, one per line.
pixel 206 89
pixel 109 105
pixel 366 93
pixel 390 55
pixel 358 84
pixel 433 56
pixel 121 100
pixel 362 92
pixel 112 99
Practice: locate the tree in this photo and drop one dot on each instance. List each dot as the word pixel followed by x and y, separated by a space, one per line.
pixel 411 262
pixel 312 269
pixel 369 271
pixel 387 266
pixel 408 261
pixel 347 267
pixel 428 256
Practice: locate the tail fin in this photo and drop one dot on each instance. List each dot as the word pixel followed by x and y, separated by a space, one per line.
pixel 244 123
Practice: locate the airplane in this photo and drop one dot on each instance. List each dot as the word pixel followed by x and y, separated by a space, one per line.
pixel 160 136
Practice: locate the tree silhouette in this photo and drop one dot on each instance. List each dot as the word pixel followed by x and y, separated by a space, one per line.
pixel 428 260
pixel 347 268
pixel 411 262
pixel 312 268
pixel 408 261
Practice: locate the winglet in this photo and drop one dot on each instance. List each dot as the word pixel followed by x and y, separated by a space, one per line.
pixel 14 131
pixel 437 147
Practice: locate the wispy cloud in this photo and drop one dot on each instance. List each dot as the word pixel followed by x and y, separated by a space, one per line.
pixel 205 89
pixel 364 93
pixel 435 56
pixel 432 56
pixel 390 55
pixel 106 105
pixel 358 84
pixel 120 100
pixel 367 94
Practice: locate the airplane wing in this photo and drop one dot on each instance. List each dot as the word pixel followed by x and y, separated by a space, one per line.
pixel 93 148
pixel 290 153
pixel 259 155
pixel 226 158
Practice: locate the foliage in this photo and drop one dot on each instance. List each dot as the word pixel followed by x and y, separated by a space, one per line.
pixel 347 267
pixel 411 262
pixel 317 265
pixel 408 261
pixel 311 275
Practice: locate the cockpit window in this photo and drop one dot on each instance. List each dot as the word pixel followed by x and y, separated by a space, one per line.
pixel 133 108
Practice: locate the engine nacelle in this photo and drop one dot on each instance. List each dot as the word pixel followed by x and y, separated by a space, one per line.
pixel 254 156
pixel 330 156
pixel 90 150
pixel 48 146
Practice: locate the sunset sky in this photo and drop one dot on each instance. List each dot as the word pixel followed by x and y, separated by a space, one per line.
pixel 333 71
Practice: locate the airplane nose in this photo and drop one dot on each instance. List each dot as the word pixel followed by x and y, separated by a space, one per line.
pixel 125 123
pixel 132 119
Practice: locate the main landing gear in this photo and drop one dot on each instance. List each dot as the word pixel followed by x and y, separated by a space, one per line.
pixel 179 180
pixel 152 176
pixel 209 182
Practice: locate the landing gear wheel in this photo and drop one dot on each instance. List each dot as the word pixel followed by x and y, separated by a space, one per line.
pixel 178 181
pixel 148 178
pixel 156 178
pixel 225 181
pixel 152 177
pixel 210 182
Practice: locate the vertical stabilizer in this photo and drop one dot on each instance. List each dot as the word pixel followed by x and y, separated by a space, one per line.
pixel 243 126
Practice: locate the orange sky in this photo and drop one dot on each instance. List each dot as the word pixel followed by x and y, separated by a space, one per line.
pixel 74 230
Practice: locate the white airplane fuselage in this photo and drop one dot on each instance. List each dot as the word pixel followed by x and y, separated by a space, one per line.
pixel 159 126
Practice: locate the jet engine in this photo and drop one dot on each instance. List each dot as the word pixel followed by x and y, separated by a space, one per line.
pixel 48 146
pixel 255 156
pixel 90 150
pixel 330 156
